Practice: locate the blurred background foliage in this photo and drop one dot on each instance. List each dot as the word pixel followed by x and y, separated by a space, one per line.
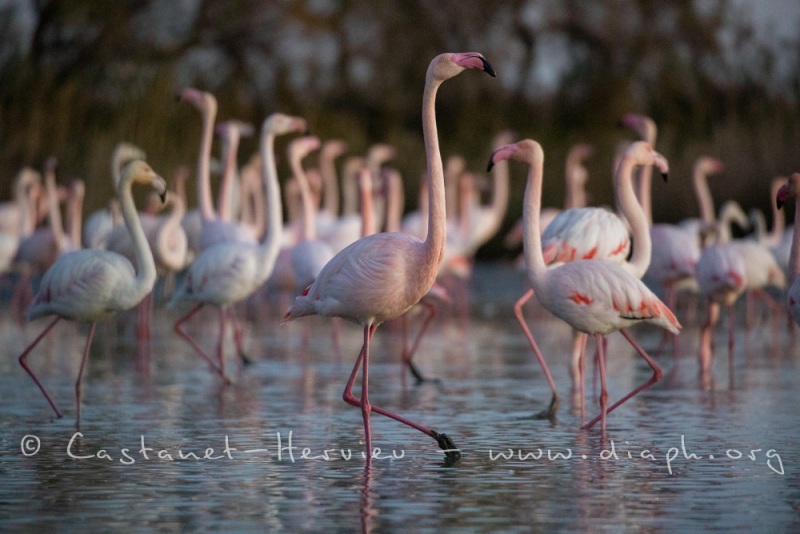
pixel 77 76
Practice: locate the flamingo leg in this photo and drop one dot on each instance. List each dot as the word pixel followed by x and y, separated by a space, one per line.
pixel 365 405
pixel 238 336
pixel 584 338
pixel 551 410
pixel 178 328
pixel 23 361
pixel 731 340
pixel 78 382
pixel 603 399
pixel 657 375
pixel 408 355
pixel 443 440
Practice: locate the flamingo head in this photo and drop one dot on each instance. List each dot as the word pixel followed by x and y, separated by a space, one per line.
pixel 203 101
pixel 139 171
pixel 788 190
pixel 526 151
pixel 280 124
pixel 445 66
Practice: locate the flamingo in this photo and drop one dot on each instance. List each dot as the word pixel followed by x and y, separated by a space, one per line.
pixel 594 297
pixel 228 272
pixel 91 284
pixel 213 229
pixel 381 276
pixel 792 190
pixel 595 233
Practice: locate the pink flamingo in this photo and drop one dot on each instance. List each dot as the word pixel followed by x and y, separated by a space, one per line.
pixel 91 284
pixel 230 271
pixel 596 233
pixel 381 276
pixel 214 229
pixel 792 190
pixel 594 297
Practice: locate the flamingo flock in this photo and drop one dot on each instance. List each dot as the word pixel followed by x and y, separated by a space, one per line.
pixel 598 269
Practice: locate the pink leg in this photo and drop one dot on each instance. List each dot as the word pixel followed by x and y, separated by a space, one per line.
pixel 23 361
pixel 78 389
pixel 657 374
pixel 238 336
pixel 603 400
pixel 193 343
pixel 223 321
pixel 442 439
pixel 731 341
pixel 551 410
pixel 584 338
pixel 578 339
pixel 408 355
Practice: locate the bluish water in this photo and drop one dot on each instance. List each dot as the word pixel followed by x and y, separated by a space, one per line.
pixel 652 471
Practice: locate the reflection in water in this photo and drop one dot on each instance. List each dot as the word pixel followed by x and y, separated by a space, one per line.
pixel 294 462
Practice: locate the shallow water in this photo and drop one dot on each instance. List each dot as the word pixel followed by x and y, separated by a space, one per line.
pixel 652 471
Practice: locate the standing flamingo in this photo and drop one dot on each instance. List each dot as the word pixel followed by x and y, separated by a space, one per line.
pixel 228 272
pixel 381 276
pixel 596 233
pixel 792 190
pixel 91 284
pixel 594 297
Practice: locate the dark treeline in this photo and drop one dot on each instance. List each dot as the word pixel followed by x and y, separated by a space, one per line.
pixel 77 76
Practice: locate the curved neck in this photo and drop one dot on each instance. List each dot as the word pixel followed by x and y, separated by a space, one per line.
pixel 54 211
pixel 576 194
pixel 531 213
pixel 633 212
pixel 703 194
pixel 394 201
pixel 306 199
pixel 645 193
pixel 499 203
pixel 145 265
pixel 437 227
pixel 75 207
pixel 330 185
pixel 778 216
pixel 228 182
pixel 271 242
pixel 367 210
pixel 205 203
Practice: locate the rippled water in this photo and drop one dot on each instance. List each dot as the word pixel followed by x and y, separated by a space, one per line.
pixel 653 470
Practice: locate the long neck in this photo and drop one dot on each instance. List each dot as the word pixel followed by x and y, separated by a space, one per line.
pixel 21 193
pixel 305 198
pixel 645 192
pixel 794 255
pixel 145 266
pixel 271 242
pixel 394 201
pixel 437 226
pixel 169 225
pixel 576 195
pixel 254 200
pixel 703 194
pixel 349 190
pixel 499 195
pixel 54 211
pixel 778 216
pixel 75 219
pixel 531 237
pixel 204 165
pixel 330 187
pixel 633 212
pixel 367 210
pixel 226 187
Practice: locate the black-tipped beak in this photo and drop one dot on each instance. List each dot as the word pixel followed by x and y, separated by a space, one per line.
pixel 779 202
pixel 487 68
pixel 665 176
pixel 490 164
pixel 163 196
